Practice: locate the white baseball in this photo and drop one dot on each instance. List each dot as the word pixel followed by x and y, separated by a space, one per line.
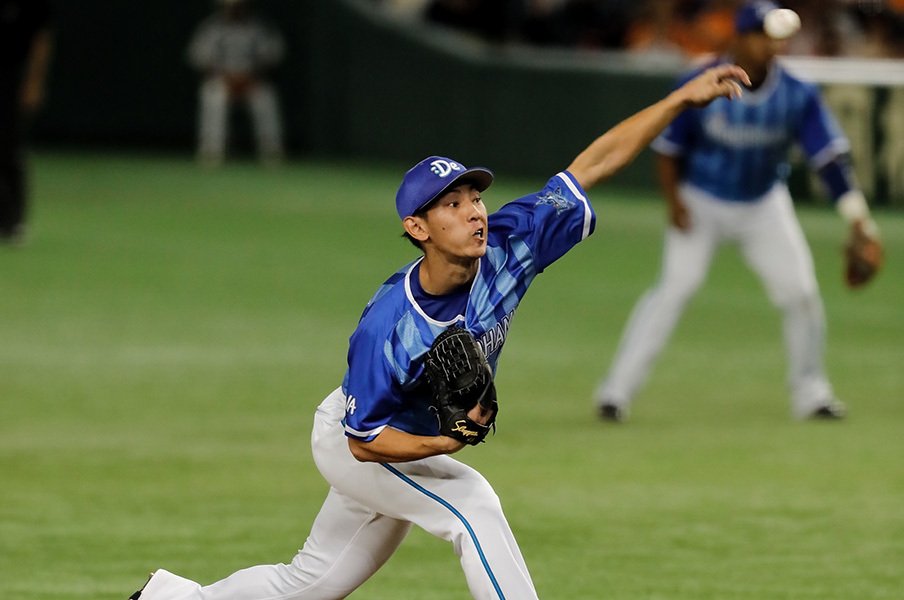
pixel 781 23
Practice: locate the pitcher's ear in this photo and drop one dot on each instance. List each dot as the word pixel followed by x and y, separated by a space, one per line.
pixel 416 227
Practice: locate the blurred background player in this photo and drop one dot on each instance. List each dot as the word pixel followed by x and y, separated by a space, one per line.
pixel 236 53
pixel 25 47
pixel 722 169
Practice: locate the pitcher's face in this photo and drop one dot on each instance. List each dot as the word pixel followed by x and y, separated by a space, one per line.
pixel 457 223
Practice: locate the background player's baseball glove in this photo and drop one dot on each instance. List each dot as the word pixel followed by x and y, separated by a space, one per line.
pixel 863 258
pixel 460 378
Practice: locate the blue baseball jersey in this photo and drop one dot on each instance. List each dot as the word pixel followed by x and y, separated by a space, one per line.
pixel 738 149
pixel 398 326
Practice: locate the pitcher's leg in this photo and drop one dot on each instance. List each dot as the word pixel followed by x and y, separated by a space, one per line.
pixel 454 502
pixel 439 494
pixel 348 543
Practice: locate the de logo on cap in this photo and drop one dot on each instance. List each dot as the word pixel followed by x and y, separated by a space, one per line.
pixel 431 178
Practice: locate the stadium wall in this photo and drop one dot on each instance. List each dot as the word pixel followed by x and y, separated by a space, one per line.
pixel 357 83
pixel 403 93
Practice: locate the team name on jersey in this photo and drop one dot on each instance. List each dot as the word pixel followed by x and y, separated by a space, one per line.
pixel 493 339
pixel 350 405
pixel 718 128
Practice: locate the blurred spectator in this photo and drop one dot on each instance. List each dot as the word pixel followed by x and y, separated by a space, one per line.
pixel 25 46
pixel 586 24
pixel 881 29
pixel 493 20
pixel 691 28
pixel 236 52
pixel 671 30
pixel 822 24
pixel 705 27
pixel 651 30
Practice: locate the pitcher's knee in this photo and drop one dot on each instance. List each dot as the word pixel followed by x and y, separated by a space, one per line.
pixel 296 574
pixel 479 512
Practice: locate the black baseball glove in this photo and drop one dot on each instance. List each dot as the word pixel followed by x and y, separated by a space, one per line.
pixel 459 378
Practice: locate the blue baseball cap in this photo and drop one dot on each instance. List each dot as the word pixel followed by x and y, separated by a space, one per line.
pixel 751 15
pixel 431 178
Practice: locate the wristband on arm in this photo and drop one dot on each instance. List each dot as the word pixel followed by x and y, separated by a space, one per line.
pixel 849 200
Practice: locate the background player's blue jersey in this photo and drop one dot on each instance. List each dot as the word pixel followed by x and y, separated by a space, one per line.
pixel 738 149
pixel 385 356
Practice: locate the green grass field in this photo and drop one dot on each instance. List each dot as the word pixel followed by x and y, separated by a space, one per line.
pixel 166 333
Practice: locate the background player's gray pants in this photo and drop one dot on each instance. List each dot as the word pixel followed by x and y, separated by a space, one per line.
pixel 213 120
pixel 773 245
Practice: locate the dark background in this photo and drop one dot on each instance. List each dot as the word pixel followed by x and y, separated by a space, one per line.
pixel 357 84
pixel 120 75
pixel 353 84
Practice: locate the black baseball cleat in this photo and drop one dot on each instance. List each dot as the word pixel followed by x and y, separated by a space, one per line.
pixel 137 594
pixel 832 411
pixel 612 413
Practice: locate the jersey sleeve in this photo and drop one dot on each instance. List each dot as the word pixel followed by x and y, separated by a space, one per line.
pixel 549 222
pixel 372 396
pixel 679 135
pixel 819 134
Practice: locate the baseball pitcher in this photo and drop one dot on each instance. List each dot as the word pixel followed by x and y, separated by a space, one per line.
pixel 420 379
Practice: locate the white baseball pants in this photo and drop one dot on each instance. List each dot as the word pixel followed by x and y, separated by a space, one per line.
pixel 213 120
pixel 368 512
pixel 773 246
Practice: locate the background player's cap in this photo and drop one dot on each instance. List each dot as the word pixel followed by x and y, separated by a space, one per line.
pixel 751 16
pixel 430 178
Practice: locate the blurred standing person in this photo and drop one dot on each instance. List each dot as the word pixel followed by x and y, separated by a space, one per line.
pixel 236 52
pixel 650 31
pixel 25 46
pixel 723 169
